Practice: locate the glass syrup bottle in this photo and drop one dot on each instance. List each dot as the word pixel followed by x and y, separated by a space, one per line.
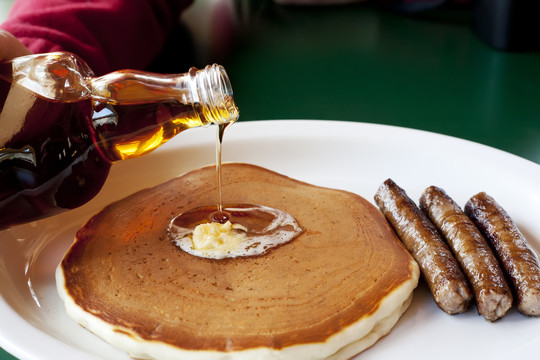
pixel 61 128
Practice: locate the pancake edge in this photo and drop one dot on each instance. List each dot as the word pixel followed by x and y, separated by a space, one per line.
pixel 345 344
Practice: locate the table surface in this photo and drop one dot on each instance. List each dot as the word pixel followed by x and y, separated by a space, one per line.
pixel 359 63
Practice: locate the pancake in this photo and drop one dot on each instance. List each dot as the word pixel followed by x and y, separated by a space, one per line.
pixel 331 292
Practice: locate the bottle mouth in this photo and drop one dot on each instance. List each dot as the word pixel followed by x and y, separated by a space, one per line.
pixel 215 95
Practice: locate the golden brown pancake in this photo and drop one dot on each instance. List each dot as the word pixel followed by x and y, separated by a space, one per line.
pixel 332 291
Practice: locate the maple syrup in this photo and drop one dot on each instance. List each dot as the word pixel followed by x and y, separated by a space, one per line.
pixel 155 111
pixel 61 128
pixel 48 161
pixel 219 216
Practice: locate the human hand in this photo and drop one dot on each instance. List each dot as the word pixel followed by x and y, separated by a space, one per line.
pixel 11 47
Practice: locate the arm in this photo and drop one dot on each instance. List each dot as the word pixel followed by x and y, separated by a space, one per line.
pixel 108 34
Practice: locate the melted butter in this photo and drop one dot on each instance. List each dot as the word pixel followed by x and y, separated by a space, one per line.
pixel 217 237
pixel 249 230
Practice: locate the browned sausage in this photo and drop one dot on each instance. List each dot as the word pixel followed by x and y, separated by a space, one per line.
pixel 518 260
pixel 493 296
pixel 439 268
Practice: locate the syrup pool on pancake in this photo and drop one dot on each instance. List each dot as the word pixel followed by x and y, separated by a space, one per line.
pixel 239 230
pixel 219 232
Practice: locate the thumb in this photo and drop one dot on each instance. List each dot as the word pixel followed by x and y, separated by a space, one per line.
pixel 11 47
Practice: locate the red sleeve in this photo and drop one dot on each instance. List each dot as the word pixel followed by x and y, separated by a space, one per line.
pixel 108 34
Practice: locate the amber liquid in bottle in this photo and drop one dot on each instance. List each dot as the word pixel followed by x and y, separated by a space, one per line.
pixel 48 161
pixel 56 155
pixel 134 118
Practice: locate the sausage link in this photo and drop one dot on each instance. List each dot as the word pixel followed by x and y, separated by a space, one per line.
pixel 439 268
pixel 518 260
pixel 493 296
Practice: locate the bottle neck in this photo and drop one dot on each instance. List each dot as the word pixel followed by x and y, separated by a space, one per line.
pixel 208 90
pixel 212 94
pixel 135 112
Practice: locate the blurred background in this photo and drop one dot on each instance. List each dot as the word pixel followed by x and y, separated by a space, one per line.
pixel 361 62
pixel 5 5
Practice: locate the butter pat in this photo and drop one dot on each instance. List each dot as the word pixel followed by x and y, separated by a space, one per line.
pixel 215 236
pixel 192 232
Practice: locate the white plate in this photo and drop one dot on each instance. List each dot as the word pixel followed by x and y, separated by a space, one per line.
pixel 351 156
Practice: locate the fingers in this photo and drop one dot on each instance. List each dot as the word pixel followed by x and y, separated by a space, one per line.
pixel 11 47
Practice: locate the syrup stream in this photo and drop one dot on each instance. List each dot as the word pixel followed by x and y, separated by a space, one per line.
pixel 220 217
pixel 263 227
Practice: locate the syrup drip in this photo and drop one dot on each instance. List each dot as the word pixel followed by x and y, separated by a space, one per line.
pixel 220 217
